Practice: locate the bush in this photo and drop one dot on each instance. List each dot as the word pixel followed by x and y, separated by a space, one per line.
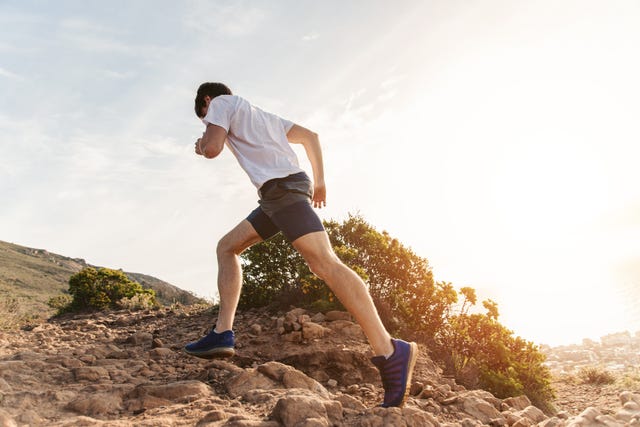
pixel 596 376
pixel 92 289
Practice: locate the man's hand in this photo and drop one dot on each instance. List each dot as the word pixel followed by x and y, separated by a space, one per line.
pixel 198 152
pixel 319 195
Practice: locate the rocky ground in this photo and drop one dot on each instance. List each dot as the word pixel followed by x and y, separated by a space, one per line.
pixel 291 369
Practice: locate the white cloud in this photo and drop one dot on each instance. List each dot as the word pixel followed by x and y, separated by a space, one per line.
pixel 118 75
pixel 10 75
pixel 310 37
pixel 236 19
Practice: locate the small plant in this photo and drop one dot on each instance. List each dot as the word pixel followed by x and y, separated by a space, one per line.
pixel 630 380
pixel 596 376
pixel 138 302
pixel 60 303
pixel 12 313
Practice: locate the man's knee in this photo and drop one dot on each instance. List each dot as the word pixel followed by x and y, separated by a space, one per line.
pixel 322 265
pixel 227 246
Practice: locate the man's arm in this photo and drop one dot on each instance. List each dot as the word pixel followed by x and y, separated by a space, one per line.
pixel 212 141
pixel 311 143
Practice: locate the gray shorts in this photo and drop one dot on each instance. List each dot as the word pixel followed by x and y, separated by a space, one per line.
pixel 285 205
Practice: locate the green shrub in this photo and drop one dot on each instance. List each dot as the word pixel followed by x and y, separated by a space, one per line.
pixel 596 376
pixel 60 303
pixel 92 289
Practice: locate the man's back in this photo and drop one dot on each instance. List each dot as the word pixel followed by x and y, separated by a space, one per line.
pixel 257 138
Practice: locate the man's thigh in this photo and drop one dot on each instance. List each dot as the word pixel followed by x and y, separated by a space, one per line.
pixel 297 220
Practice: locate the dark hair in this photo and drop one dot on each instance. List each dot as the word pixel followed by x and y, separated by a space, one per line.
pixel 209 89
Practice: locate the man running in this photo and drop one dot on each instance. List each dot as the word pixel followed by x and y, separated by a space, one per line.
pixel 261 142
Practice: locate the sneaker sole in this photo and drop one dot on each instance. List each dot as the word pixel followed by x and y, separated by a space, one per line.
pixel 413 357
pixel 216 353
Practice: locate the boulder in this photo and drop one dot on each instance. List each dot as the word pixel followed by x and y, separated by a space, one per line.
pixel 480 409
pixel 249 379
pixel 532 413
pixel 518 402
pixel 176 391
pixel 397 417
pixel 630 407
pixel 311 331
pixel 90 373
pixel 140 338
pixel 290 377
pixel 6 420
pixel 301 410
pixel 97 404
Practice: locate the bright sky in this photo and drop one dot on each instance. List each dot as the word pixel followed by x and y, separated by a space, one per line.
pixel 498 139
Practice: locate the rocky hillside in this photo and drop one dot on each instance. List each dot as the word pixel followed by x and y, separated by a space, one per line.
pixel 34 275
pixel 291 369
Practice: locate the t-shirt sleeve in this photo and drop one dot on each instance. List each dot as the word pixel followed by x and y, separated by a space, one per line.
pixel 220 112
pixel 287 124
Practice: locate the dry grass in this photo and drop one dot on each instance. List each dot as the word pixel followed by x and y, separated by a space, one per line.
pixel 596 376
pixel 14 313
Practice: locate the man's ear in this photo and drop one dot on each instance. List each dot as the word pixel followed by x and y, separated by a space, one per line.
pixel 207 101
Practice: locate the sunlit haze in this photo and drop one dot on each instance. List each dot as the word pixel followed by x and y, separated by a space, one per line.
pixel 498 139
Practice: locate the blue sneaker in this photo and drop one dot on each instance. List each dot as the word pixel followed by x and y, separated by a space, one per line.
pixel 396 371
pixel 212 345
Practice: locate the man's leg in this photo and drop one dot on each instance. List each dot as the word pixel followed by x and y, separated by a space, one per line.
pixel 229 248
pixel 348 287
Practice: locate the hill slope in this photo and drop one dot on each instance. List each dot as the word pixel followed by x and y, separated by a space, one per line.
pixel 127 369
pixel 32 276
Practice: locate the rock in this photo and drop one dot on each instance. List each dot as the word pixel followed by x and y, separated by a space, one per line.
pixel 176 391
pixel 318 318
pixel 480 409
pixel 337 315
pixel 551 422
pixel 293 336
pixel 627 396
pixel 6 420
pixel 300 410
pixel 4 386
pixel 140 338
pixel 607 420
pixel 160 352
pixel 303 319
pixel 350 402
pixel 249 379
pixel 590 414
pixel 397 417
pixel 347 328
pixel 157 343
pixel 311 331
pixel 255 329
pixel 97 404
pixel 290 377
pixel 522 422
pixel 416 388
pixel 332 383
pixel 518 402
pixel 213 417
pixel 31 418
pixel 297 379
pixel 90 373
pixel 532 413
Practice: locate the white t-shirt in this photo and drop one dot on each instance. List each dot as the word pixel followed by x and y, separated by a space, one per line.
pixel 258 139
